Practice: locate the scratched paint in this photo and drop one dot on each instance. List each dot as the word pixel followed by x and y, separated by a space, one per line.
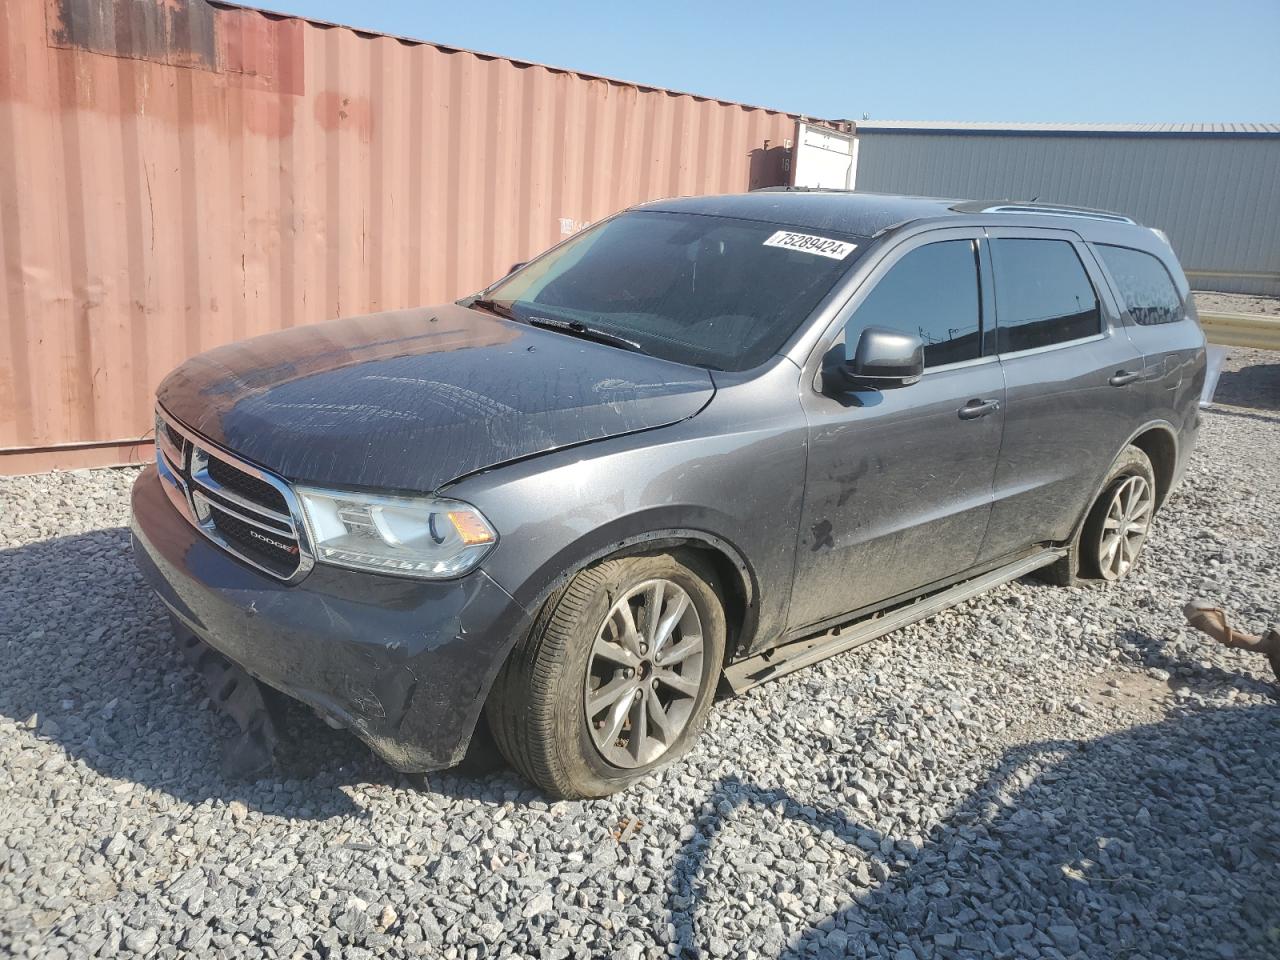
pixel 176 175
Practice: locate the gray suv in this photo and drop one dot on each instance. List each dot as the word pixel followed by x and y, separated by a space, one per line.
pixel 699 445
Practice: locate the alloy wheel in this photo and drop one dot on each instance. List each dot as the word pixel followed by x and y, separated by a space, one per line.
pixel 644 673
pixel 1125 527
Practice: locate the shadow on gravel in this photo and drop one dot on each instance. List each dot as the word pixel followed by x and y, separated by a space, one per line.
pixel 88 651
pixel 1218 410
pixel 1256 386
pixel 1151 651
pixel 1162 841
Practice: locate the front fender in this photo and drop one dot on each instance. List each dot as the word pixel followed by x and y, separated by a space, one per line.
pixel 737 493
pixel 640 533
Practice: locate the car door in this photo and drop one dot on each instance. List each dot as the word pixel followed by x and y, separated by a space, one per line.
pixel 1073 379
pixel 1160 320
pixel 899 481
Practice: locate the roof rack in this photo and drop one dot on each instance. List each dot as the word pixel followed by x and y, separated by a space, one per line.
pixel 1044 210
pixel 1060 212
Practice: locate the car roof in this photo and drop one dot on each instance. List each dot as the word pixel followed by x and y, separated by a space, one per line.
pixel 867 214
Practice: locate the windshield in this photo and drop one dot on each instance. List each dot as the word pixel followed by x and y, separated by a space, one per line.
pixel 710 291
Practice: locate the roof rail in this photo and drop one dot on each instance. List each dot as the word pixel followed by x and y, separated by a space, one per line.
pixel 1045 210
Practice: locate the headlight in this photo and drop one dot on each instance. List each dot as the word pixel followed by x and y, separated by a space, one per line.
pixel 414 536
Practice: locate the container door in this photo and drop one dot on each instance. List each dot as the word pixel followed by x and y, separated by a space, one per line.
pixel 824 158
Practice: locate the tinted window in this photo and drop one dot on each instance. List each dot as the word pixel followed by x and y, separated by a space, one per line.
pixel 1043 295
pixel 713 291
pixel 1145 285
pixel 933 293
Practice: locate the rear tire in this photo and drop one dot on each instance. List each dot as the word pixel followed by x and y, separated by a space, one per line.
pixel 1089 557
pixel 564 710
pixel 1120 521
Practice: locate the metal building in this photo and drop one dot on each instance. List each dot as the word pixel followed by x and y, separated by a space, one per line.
pixel 1213 188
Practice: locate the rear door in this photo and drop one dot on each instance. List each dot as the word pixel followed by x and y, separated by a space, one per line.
pixel 898 489
pixel 1161 321
pixel 1073 379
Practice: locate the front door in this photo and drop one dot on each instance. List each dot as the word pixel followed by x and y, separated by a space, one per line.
pixel 899 484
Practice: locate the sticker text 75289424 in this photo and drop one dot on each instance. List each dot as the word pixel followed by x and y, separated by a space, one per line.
pixel 807 243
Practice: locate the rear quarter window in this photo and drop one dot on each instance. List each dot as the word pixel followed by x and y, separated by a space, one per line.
pixel 1144 284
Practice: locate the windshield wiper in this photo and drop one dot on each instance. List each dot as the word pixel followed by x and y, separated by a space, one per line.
pixel 493 306
pixel 577 329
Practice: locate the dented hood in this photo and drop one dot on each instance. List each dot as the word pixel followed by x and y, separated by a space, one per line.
pixel 416 398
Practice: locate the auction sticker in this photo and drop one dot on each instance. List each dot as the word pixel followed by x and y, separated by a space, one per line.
pixel 807 243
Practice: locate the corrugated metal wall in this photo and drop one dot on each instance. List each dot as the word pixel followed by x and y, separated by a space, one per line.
pixel 175 175
pixel 1217 197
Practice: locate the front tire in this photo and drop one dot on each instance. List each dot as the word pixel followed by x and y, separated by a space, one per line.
pixel 616 677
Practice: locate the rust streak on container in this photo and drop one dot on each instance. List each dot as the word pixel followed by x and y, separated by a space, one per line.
pixel 176 174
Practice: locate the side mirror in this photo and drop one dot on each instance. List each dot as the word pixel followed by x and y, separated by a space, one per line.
pixel 885 358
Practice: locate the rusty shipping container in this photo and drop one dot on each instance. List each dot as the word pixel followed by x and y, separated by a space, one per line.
pixel 176 174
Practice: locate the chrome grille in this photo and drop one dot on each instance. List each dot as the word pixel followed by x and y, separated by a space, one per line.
pixel 249 512
pixel 236 481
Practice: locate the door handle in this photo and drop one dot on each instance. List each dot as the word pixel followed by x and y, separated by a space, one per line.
pixel 1122 377
pixel 978 408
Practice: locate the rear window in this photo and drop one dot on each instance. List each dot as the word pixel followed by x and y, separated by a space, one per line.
pixel 1145 285
pixel 712 291
pixel 1043 294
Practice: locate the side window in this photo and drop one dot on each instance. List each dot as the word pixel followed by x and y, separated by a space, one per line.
pixel 1145 284
pixel 933 293
pixel 1043 295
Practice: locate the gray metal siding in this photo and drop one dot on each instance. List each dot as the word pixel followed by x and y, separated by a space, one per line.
pixel 1217 197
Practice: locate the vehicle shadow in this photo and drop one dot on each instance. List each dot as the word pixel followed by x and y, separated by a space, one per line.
pixel 1256 386
pixel 1158 841
pixel 90 656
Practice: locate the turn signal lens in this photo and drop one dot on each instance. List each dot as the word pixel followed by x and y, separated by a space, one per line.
pixel 471 527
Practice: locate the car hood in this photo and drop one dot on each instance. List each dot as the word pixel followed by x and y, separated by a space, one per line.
pixel 414 399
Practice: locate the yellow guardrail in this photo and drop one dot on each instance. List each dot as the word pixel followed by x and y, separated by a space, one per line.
pixel 1242 330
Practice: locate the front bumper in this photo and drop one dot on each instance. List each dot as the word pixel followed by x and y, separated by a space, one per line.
pixel 405 664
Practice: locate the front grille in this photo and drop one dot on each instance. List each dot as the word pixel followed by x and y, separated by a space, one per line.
pixel 277 553
pixel 173 436
pixel 246 485
pixel 247 511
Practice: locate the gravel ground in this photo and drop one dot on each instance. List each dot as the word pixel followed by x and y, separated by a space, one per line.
pixel 1040 773
pixel 1237 303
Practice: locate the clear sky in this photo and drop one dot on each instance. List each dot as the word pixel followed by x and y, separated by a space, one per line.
pixel 1100 60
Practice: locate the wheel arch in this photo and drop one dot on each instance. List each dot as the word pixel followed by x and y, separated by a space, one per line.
pixel 737 578
pixel 1158 435
pixel 1159 442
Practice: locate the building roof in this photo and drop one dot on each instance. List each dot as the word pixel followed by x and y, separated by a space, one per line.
pixel 1073 129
